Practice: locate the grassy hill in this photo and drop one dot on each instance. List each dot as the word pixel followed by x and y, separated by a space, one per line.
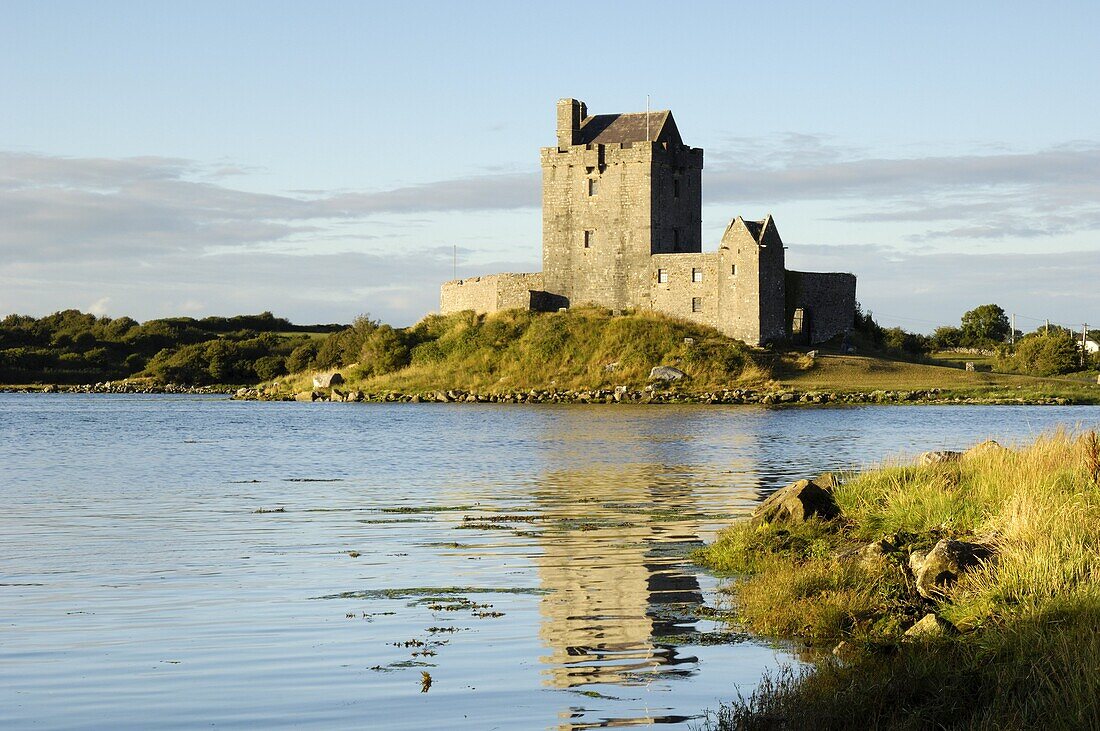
pixel 584 348
pixel 588 348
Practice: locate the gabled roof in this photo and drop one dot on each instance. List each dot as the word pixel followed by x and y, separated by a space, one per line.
pixel 605 129
pixel 761 232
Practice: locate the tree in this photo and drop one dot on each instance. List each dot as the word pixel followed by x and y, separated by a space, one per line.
pixel 985 325
pixel 1047 354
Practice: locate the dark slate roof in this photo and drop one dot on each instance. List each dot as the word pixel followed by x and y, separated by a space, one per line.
pixel 755 228
pixel 606 129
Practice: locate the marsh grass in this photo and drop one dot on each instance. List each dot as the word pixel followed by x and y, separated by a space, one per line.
pixel 1029 652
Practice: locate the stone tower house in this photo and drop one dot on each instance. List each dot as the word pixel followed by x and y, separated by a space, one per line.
pixel 621 228
pixel 616 189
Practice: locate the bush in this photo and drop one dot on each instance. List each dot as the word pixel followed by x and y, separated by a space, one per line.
pixel 384 351
pixel 1049 353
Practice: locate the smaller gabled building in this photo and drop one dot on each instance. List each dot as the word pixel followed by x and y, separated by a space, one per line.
pixel 622 228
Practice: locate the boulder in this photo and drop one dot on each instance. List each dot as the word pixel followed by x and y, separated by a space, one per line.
pixel 930 626
pixel 875 550
pixel 796 503
pixel 940 568
pixel 327 380
pixel 306 396
pixel 666 373
pixel 337 395
pixel 938 457
pixel 987 447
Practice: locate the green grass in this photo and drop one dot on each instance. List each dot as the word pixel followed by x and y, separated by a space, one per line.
pixel 585 348
pixel 1028 655
pixel 588 348
pixel 852 373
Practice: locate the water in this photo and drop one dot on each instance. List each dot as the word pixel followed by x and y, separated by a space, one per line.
pixel 532 560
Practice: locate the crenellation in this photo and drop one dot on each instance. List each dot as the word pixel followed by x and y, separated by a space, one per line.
pixel 622 228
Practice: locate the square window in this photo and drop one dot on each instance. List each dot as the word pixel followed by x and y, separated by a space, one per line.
pixel 589 239
pixel 696 275
pixel 662 276
pixel 593 186
pixel 696 304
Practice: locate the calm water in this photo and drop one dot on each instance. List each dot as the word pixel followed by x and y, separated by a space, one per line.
pixel 532 560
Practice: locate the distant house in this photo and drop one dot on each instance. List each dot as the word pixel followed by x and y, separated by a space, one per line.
pixel 1091 346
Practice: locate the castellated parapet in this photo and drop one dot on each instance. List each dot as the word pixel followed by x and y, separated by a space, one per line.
pixel 622 228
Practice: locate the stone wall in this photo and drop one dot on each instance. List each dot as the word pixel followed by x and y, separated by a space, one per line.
pixel 690 279
pixel 827 300
pixel 490 293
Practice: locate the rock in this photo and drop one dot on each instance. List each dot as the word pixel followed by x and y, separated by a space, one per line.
pixel 970 366
pixel 354 396
pixel 875 550
pixel 611 366
pixel 307 396
pixel 49 388
pixel 938 457
pixel 988 447
pixel 940 568
pixel 337 395
pixel 931 626
pixel 812 355
pixel 796 503
pixel 666 373
pixel 327 380
pixel 828 480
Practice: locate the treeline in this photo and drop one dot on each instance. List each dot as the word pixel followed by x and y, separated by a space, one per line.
pixel 77 347
pixel 1048 351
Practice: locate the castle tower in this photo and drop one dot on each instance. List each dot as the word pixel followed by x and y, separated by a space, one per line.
pixel 616 189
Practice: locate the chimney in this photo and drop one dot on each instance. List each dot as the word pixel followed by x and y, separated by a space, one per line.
pixel 570 114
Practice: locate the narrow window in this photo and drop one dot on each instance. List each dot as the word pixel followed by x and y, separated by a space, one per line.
pixel 593 186
pixel 733 270
pixel 662 276
pixel 675 239
pixel 675 188
pixel 696 275
pixel 696 304
pixel 589 239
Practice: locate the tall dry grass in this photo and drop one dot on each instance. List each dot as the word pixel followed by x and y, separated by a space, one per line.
pixel 1028 655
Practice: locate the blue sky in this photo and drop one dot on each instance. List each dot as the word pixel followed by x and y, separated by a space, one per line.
pixel 321 160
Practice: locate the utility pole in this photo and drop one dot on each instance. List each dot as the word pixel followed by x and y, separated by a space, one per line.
pixel 1012 335
pixel 1084 339
pixel 1046 327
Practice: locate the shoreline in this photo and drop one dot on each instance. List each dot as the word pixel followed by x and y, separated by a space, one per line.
pixel 726 397
pixel 959 590
pixel 620 395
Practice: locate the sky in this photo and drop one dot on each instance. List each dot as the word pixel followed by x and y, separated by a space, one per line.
pixel 325 160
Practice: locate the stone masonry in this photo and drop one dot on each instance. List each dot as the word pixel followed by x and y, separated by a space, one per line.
pixel 621 222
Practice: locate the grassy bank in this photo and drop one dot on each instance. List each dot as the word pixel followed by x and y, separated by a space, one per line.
pixel 588 349
pixel 585 348
pixel 1020 646
pixel 837 373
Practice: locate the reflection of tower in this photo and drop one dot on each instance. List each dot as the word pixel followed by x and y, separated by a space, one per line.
pixel 613 560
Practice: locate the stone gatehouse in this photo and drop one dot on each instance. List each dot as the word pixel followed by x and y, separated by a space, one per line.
pixel 622 228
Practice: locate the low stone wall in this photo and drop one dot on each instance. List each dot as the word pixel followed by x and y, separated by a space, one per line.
pixel 489 293
pixel 828 301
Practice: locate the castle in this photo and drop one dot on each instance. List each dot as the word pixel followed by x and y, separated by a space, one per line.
pixel 622 228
